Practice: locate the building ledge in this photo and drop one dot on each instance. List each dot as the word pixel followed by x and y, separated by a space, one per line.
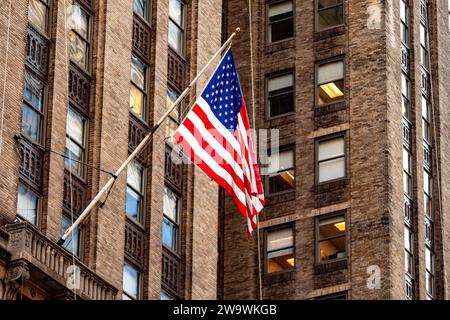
pixel 48 263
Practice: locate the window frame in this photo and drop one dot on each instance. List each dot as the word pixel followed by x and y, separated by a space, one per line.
pixel 317 242
pixel 144 91
pixel 48 22
pixel 268 176
pixel 182 28
pixel 80 253
pixel 141 215
pixel 317 142
pixel 178 226
pixel 139 281
pixel 317 84
pixel 268 23
pixel 316 16
pixel 38 206
pixel 290 225
pixel 273 75
pixel 42 114
pixel 85 150
pixel 88 11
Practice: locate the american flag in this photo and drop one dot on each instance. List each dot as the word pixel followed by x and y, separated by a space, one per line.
pixel 216 136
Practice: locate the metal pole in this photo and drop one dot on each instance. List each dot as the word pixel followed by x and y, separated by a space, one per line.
pixel 144 141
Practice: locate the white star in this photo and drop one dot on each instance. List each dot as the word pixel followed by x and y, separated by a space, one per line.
pixel 228 58
pixel 213 86
pixel 220 106
pixel 223 68
pixel 220 114
pixel 226 121
pixel 207 95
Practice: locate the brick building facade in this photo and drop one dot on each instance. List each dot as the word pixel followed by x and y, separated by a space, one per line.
pixel 89 90
pixel 358 91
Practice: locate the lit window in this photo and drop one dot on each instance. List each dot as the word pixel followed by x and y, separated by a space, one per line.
pixel 75 142
pixel 331 238
pixel 79 37
pixel 429 266
pixel 330 13
pixel 141 8
pixel 331 159
pixel 27 204
pixel 408 251
pixel 38 14
pixel 170 231
pixel 407 172
pixel 138 87
pixel 281 171
pixel 330 82
pixel 72 243
pixel 33 107
pixel 176 25
pixel 280 250
pixel 281 21
pixel 134 196
pixel 131 282
pixel 281 94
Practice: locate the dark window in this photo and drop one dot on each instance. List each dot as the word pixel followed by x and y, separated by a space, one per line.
pixel 131 282
pixel 176 25
pixel 75 143
pixel 330 82
pixel 331 238
pixel 135 191
pixel 138 87
pixel 171 219
pixel 330 159
pixel 72 243
pixel 38 14
pixel 79 37
pixel 33 107
pixel 280 249
pixel 281 171
pixel 281 21
pixel 335 296
pixel 27 204
pixel 330 13
pixel 280 94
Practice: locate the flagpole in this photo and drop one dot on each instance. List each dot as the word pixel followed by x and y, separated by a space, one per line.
pixel 142 144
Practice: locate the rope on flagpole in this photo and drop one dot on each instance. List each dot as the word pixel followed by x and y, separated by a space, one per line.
pixel 254 127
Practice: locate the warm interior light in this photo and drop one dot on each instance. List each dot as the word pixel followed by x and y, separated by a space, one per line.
pixel 290 175
pixel 332 90
pixel 340 226
pixel 291 261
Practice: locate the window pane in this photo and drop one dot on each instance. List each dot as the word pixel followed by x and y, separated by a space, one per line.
pixel 138 69
pixel 130 281
pixel 330 72
pixel 405 86
pixel 280 8
pixel 280 239
pixel 332 249
pixel 429 263
pixel 133 204
pixel 165 296
pixel 426 183
pixel 139 6
pixel 322 4
pixel 78 50
pixel 72 243
pixel 332 238
pixel 176 11
pixel 281 161
pixel 137 101
pixel 408 239
pixel 281 82
pixel 423 35
pixel 403 12
pixel 331 92
pixel 169 234
pixel 79 21
pixel 172 96
pixel 330 17
pixel 33 91
pixel 281 104
pixel 31 123
pixel 27 204
pixel 175 37
pixel 74 155
pixel 170 205
pixel 331 169
pixel 331 227
pixel 134 176
pixel 75 126
pixel 330 80
pixel 281 22
pixel 37 14
pixel 282 182
pixel 331 148
pixel 406 161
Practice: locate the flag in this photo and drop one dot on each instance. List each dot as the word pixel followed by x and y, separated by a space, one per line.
pixel 215 135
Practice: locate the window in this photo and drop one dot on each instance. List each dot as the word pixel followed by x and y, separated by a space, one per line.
pixel 330 82
pixel 135 186
pixel 72 244
pixel 171 227
pixel 38 14
pixel 138 86
pixel 172 96
pixel 426 120
pixel 281 21
pixel 331 159
pixel 281 171
pixel 75 143
pixel 424 55
pixel 335 296
pixel 281 94
pixel 429 265
pixel 404 25
pixel 33 107
pixel 165 296
pixel 27 204
pixel 79 37
pixel 280 250
pixel 141 7
pixel 330 13
pixel 407 173
pixel 176 25
pixel 331 238
pixel 131 282
pixel 408 251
